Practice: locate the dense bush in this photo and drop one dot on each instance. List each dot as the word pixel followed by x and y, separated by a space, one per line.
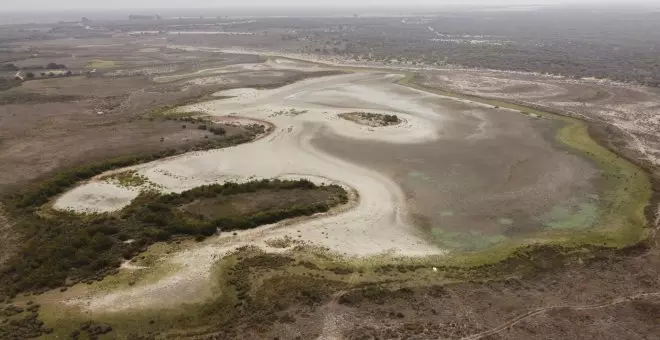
pixel 391 119
pixel 54 66
pixel 67 247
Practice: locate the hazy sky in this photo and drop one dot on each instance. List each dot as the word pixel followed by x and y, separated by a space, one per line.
pixel 121 4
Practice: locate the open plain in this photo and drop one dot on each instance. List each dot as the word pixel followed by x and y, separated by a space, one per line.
pixel 210 186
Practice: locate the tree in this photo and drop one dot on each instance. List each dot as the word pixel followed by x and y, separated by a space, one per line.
pixel 52 66
pixel 30 75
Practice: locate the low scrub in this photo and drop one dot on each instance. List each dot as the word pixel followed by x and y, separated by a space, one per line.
pixel 15 98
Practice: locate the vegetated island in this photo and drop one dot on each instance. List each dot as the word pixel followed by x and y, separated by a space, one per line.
pixel 371 119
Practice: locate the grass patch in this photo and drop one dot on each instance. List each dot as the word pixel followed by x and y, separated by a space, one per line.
pixel 128 179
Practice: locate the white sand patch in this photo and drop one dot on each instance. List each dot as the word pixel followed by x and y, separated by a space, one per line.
pixel 127 265
pixel 217 71
pixel 97 197
pixel 149 50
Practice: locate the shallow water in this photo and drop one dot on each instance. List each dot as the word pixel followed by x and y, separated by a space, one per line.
pixel 492 175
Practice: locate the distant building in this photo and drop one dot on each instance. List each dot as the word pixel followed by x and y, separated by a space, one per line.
pixel 143 17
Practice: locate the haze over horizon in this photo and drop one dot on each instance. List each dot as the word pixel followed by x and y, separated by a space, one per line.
pixel 39 5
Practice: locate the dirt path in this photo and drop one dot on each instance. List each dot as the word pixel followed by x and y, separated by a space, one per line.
pixel 535 312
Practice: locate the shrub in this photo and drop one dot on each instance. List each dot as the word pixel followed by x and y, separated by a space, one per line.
pixel 216 130
pixel 391 119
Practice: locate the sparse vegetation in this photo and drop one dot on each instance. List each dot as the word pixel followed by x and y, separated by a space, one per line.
pixel 127 179
pixel 15 98
pixel 289 112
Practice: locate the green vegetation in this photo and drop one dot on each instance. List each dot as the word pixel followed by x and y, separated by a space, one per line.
pixel 371 119
pixel 126 179
pixel 18 322
pixel 65 248
pixel 254 290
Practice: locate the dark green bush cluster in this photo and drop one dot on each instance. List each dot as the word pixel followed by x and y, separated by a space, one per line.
pixel 67 247
pixel 191 120
pixel 378 118
pixel 391 119
pixel 216 130
pixel 25 326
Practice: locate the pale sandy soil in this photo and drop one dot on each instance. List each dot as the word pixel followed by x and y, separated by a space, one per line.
pixel 96 196
pixel 377 223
